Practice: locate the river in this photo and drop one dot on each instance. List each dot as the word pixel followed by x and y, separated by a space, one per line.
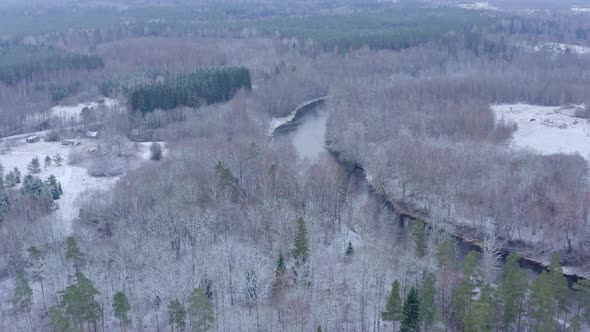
pixel 307 133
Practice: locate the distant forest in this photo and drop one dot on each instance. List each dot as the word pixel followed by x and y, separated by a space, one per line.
pixel 201 87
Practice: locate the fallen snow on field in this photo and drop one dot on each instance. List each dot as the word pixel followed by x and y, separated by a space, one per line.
pixel 74 111
pixel 547 130
pixel 560 48
pixel 478 6
pixel 581 9
pixel 74 179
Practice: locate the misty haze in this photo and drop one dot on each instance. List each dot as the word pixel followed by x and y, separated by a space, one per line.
pixel 295 165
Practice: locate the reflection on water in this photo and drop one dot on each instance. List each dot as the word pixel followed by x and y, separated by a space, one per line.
pixel 310 136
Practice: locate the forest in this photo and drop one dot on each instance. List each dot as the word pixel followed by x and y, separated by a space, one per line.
pixel 155 175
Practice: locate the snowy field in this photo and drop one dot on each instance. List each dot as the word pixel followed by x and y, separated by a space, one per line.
pixel 560 48
pixel 581 9
pixel 74 179
pixel 478 6
pixel 547 130
pixel 74 111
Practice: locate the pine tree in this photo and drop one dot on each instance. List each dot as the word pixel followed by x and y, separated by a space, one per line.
pixel 36 263
pixel 201 310
pixel 548 294
pixel 583 286
pixel 419 236
pixel 393 308
pixel 427 297
pixel 74 254
pixel 34 166
pixel 176 315
pixel 121 309
pixel 79 302
pixel 349 250
pixel 301 244
pixel 481 318
pixel 463 296
pixel 23 294
pixel 411 312
pixel 512 292
pixel 59 321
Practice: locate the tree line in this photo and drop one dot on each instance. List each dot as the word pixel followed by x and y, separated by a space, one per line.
pixel 199 88
pixel 25 63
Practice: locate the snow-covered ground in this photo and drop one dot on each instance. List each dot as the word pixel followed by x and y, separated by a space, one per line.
pixel 480 5
pixel 561 48
pixel 277 122
pixel 581 9
pixel 74 111
pixel 547 130
pixel 74 179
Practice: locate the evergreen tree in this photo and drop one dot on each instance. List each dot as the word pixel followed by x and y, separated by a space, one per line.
pixel 59 321
pixel 121 309
pixel 58 159
pixel 201 310
pixel 281 280
pixel 446 263
pixel 34 166
pixel 548 294
pixel 155 151
pixel 47 161
pixel 74 254
pixel 583 286
pixel 411 312
pixel 32 186
pixel 11 180
pixel 463 296
pixel 79 300
pixel 17 175
pixel 36 263
pixel 23 294
pixel 419 236
pixel 176 315
pixel 481 318
pixel 301 244
pixel 512 292
pixel 427 297
pixel 393 308
pixel 54 187
pixel 349 250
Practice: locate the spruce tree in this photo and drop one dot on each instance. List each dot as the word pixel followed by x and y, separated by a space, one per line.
pixel 411 312
pixel 349 250
pixel 393 308
pixel 34 166
pixel 281 281
pixel 47 161
pixel 176 315
pixel 121 309
pixel 301 244
pixel 201 311
pixel 17 175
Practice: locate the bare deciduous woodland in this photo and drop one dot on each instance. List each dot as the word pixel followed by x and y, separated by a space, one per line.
pixel 345 165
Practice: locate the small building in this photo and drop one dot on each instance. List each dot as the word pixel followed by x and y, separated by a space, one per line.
pixel 33 139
